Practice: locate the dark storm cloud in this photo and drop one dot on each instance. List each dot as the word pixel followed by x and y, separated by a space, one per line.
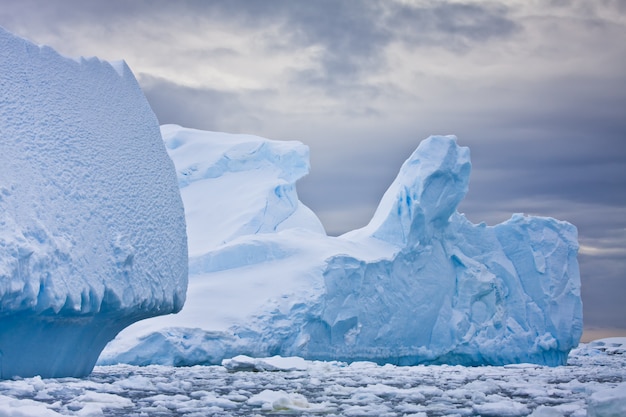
pixel 353 36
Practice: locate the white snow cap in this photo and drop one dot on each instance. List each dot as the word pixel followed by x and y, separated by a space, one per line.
pixel 92 228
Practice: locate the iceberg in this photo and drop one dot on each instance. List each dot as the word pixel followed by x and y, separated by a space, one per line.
pixel 92 227
pixel 420 284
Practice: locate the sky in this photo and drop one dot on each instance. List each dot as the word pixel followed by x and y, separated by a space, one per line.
pixel 535 88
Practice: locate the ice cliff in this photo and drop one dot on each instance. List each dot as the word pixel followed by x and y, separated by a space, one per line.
pixel 455 292
pixel 92 227
pixel 418 284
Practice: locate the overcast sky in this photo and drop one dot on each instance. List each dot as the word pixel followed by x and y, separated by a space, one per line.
pixel 535 88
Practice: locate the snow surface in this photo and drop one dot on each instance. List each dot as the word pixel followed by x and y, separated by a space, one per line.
pixel 419 284
pixel 592 384
pixel 92 228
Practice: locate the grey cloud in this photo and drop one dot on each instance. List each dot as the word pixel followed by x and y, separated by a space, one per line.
pixel 603 287
pixel 577 105
pixel 51 15
pixel 207 109
pixel 354 38
pixel 526 169
pixel 618 5
pixel 352 35
pixel 588 8
pixel 452 25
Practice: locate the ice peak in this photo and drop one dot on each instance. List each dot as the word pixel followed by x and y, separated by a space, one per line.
pixel 426 192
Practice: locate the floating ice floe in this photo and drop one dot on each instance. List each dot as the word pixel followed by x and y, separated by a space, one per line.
pixel 590 385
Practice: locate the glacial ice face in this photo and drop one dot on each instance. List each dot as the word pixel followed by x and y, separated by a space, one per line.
pixel 506 294
pixel 456 292
pixel 418 284
pixel 92 228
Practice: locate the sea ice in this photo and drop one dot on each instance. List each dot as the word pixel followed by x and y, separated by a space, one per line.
pixel 610 345
pixel 330 389
pixel 275 363
pixel 608 402
pixel 92 227
pixel 418 284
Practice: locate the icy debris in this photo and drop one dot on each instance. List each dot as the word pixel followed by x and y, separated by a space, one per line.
pixel 504 408
pixel 544 411
pixel 269 401
pixel 12 407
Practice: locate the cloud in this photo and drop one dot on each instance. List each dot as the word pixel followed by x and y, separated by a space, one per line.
pixel 353 40
pixel 603 288
pixel 207 109
pixel 451 25
pixel 596 251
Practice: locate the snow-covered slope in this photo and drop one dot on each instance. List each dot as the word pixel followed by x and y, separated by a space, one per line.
pixel 92 228
pixel 419 284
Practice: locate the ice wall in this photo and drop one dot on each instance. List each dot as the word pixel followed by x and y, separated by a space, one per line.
pixel 92 228
pixel 456 292
pixel 418 284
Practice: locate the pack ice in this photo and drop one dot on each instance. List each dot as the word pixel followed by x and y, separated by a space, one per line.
pixel 92 228
pixel 419 284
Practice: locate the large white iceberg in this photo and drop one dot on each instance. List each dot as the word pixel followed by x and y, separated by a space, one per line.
pixel 419 284
pixel 92 228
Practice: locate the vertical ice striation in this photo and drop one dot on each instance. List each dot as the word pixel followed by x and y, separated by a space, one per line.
pixel 92 228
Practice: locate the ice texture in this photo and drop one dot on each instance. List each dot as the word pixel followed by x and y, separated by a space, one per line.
pixel 92 227
pixel 420 284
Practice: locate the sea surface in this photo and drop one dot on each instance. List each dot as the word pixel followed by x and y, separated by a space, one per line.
pixel 326 388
